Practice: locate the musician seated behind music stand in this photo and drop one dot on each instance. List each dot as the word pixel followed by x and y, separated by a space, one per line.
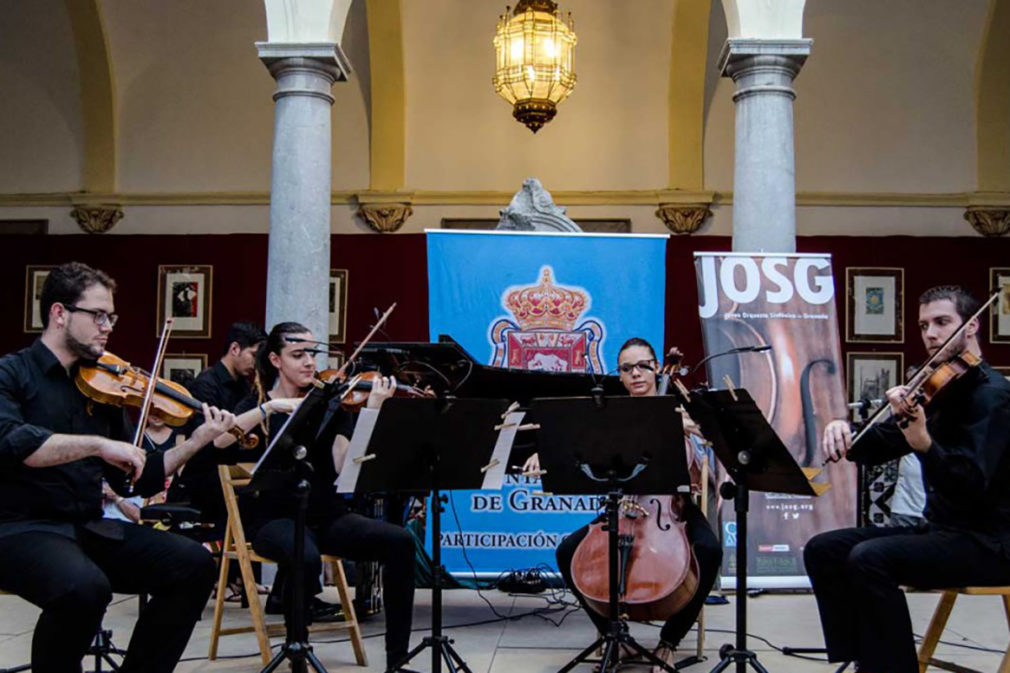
pixel 55 446
pixel 639 367
pixel 285 370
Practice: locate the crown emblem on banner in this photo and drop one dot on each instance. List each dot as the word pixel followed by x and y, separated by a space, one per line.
pixel 546 306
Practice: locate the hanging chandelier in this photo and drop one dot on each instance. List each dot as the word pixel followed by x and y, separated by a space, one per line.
pixel 535 53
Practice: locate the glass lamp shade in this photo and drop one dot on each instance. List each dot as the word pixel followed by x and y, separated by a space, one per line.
pixel 535 52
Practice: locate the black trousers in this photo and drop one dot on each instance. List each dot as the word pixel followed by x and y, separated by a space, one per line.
pixel 73 581
pixel 358 538
pixel 857 574
pixel 706 549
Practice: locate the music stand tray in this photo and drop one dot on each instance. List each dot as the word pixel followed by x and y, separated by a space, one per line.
pixel 614 446
pixel 428 445
pixel 757 460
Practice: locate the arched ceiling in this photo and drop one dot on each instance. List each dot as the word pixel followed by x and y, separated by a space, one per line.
pixel 147 98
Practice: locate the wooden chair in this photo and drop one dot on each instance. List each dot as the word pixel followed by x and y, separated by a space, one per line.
pixel 939 620
pixel 236 547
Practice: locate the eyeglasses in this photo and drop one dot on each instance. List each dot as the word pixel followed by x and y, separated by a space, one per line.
pixel 101 318
pixel 644 365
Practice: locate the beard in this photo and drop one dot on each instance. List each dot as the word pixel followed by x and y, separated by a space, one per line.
pixel 82 350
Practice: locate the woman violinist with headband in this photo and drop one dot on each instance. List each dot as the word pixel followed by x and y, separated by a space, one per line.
pixel 284 373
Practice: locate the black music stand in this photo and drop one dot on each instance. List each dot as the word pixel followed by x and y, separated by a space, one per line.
pixel 426 445
pixel 613 446
pixel 757 460
pixel 284 466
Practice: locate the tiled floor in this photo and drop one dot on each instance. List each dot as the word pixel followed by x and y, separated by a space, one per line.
pixel 534 645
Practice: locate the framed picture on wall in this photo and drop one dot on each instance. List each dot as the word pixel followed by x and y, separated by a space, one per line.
pixel 1005 371
pixel 179 367
pixel 338 305
pixel 869 375
pixel 184 293
pixel 999 323
pixel 875 303
pixel 35 276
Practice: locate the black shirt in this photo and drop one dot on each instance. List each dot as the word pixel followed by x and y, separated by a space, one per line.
pixel 324 501
pixel 218 388
pixel 967 467
pixel 37 399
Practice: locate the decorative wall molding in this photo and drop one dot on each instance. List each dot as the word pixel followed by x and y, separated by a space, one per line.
pixel 626 197
pixel 988 221
pixel 97 219
pixel 683 219
pixel 385 218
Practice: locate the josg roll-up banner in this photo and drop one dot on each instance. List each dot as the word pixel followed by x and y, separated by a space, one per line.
pixel 558 302
pixel 786 302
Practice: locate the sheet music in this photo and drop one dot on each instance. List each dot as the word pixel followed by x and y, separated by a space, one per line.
pixel 351 468
pixel 495 475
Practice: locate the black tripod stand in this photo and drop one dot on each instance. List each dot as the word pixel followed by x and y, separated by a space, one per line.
pixel 617 633
pixel 440 644
pixel 296 648
pixel 740 494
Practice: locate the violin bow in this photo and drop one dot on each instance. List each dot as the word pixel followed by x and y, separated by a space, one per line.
pixel 152 382
pixel 375 328
pixel 878 415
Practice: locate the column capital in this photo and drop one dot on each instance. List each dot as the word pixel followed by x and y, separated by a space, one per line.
pixel 327 57
pixel 97 219
pixel 741 53
pixel 385 218
pixel 683 219
pixel 989 221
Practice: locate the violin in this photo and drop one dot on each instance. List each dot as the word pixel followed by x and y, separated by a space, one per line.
pixel 934 376
pixel 112 380
pixel 658 572
pixel 360 386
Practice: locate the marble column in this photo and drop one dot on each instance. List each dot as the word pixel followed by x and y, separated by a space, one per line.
pixel 764 182
pixel 298 266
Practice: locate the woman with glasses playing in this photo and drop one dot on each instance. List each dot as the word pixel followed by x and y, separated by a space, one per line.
pixel 639 371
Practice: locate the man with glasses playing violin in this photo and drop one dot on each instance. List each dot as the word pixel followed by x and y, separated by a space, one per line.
pixel 56 446
pixel 962 440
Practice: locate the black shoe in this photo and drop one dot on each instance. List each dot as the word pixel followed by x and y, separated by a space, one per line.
pixel 321 611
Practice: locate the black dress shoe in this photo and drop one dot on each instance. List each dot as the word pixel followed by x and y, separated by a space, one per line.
pixel 321 611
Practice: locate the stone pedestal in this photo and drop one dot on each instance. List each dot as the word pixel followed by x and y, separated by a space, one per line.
pixel 298 266
pixel 764 184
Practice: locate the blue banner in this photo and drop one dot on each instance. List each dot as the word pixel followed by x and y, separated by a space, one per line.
pixel 556 302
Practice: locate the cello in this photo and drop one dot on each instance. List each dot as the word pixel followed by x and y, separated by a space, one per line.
pixel 658 573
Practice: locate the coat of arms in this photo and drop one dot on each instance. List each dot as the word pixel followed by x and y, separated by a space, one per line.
pixel 542 332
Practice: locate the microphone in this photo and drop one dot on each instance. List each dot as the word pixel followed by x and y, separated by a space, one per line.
pixel 732 351
pixel 866 402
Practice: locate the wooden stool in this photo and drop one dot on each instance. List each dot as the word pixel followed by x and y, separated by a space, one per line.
pixel 939 620
pixel 235 546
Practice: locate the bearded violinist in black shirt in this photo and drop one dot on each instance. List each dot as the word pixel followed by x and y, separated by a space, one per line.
pixel 56 446
pixel 962 440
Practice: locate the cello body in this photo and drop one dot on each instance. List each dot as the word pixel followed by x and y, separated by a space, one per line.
pixel 657 570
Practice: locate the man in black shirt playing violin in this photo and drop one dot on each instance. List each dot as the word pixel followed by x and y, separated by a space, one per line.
pixel 56 446
pixel 962 440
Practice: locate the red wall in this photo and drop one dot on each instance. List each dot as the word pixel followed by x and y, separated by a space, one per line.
pixel 384 269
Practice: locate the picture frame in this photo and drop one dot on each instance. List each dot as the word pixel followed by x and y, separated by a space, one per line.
pixel 185 293
pixel 1005 371
pixel 35 276
pixel 869 375
pixel 336 359
pixel 999 317
pixel 338 306
pixel 193 363
pixel 875 304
